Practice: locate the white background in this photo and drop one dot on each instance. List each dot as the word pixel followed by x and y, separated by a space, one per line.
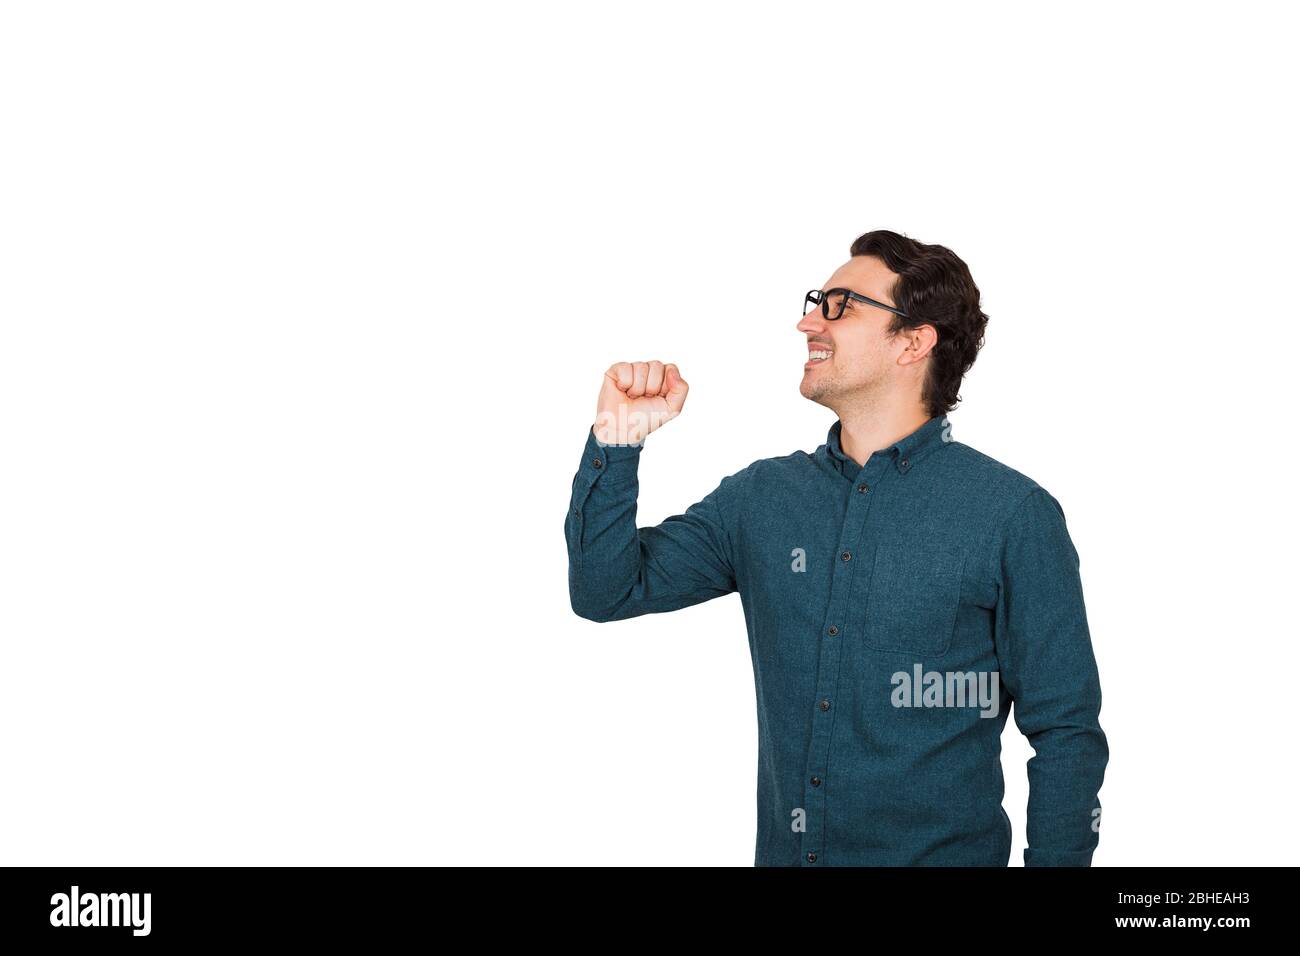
pixel 306 305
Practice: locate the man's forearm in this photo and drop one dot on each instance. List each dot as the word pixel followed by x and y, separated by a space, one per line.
pixel 1064 812
pixel 601 532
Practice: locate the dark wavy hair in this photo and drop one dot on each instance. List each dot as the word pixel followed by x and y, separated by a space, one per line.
pixel 934 287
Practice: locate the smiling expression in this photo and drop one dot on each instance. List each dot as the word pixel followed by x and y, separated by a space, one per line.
pixel 853 354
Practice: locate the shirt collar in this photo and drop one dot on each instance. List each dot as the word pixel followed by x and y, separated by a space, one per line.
pixel 905 452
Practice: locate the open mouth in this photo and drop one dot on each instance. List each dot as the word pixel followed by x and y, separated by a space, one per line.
pixel 817 356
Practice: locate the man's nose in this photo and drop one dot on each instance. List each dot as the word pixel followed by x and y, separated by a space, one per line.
pixel 813 321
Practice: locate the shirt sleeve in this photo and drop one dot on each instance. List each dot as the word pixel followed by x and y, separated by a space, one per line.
pixel 1047 665
pixel 617 570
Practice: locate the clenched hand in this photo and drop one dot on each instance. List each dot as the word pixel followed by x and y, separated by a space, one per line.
pixel 635 399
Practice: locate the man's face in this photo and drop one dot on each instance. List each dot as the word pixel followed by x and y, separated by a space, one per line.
pixel 863 359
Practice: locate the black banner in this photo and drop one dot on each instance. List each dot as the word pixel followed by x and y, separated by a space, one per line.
pixel 208 905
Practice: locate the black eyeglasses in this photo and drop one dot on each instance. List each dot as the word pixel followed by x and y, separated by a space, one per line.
pixel 833 302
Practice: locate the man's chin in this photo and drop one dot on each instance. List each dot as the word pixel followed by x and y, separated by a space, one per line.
pixel 814 391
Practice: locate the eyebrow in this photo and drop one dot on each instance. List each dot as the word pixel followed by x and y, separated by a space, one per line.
pixel 854 291
pixel 873 298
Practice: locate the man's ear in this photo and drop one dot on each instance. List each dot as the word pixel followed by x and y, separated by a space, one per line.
pixel 920 343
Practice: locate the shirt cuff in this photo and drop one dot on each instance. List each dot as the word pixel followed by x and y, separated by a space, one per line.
pixel 1058 857
pixel 616 460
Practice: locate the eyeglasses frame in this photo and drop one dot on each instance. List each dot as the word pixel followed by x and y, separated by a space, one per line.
pixel 848 294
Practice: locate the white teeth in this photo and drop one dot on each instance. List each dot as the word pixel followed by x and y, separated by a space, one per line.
pixel 816 355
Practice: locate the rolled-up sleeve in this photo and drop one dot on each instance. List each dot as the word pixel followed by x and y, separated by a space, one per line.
pixel 1047 665
pixel 617 570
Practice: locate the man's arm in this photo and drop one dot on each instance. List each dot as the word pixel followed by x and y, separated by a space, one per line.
pixel 1047 665
pixel 617 570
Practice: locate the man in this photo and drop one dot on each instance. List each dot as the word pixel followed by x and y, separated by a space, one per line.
pixel 900 588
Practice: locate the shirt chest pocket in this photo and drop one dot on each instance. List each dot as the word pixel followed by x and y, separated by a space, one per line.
pixel 908 605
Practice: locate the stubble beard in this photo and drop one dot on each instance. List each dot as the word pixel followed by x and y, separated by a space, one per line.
pixel 836 394
pixel 824 389
pixel 815 391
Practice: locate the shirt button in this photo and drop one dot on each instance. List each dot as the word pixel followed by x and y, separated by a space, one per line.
pixel 812 857
pixel 825 704
pixel 845 556
pixel 832 630
pixel 816 781
pixel 577 512
pixel 862 489
pixel 595 463
pixel 904 462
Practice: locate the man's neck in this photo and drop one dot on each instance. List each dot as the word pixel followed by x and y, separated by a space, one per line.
pixel 865 429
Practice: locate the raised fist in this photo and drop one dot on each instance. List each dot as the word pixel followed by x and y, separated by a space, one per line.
pixel 635 399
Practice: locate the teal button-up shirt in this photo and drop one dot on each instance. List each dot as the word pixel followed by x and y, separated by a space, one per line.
pixel 895 611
